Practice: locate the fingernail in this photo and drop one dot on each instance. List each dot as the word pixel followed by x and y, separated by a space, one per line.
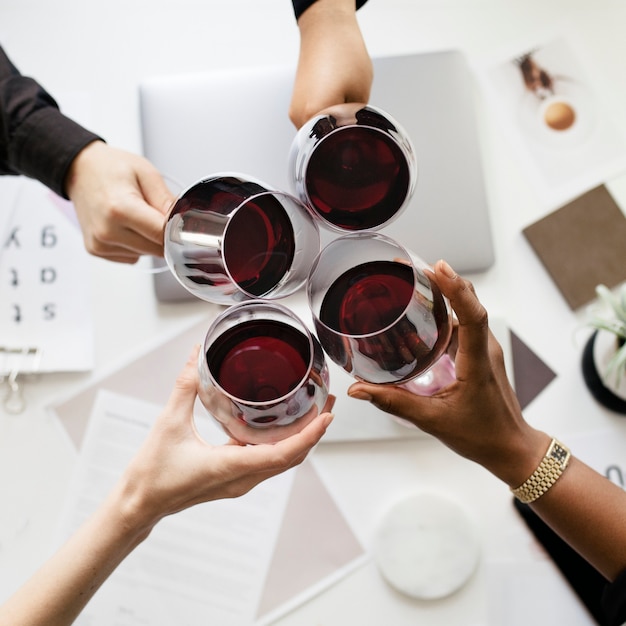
pixel 447 270
pixel 360 395
pixel 328 418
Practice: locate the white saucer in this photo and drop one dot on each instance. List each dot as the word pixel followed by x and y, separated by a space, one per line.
pixel 426 546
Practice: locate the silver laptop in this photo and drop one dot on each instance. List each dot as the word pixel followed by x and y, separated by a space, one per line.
pixel 236 120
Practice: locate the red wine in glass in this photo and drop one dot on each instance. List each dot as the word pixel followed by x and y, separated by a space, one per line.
pixel 228 238
pixel 258 242
pixel 378 314
pixel 259 245
pixel 357 178
pixel 354 166
pixel 390 342
pixel 259 360
pixel 263 375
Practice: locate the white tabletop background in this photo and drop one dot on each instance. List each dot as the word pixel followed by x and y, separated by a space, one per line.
pixel 102 50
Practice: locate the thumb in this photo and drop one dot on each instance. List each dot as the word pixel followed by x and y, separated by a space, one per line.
pixel 183 396
pixel 155 190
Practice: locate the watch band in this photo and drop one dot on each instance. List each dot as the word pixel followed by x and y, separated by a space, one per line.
pixel 547 473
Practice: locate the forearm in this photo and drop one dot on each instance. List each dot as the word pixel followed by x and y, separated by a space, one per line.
pixel 329 16
pixel 36 139
pixel 333 65
pixel 61 588
pixel 589 512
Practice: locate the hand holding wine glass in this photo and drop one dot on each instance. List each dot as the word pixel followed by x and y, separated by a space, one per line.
pixel 173 470
pixel 478 415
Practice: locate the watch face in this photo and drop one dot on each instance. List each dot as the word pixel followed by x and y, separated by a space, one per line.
pixel 559 453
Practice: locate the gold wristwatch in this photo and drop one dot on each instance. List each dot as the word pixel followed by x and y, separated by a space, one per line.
pixel 547 473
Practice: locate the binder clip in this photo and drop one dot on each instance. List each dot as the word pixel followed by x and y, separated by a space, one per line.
pixel 15 365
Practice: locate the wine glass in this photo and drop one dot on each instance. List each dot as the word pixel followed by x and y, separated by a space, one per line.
pixel 229 238
pixel 263 375
pixel 378 315
pixel 354 166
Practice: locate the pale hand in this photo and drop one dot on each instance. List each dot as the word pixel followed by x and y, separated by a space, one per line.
pixel 175 468
pixel 121 200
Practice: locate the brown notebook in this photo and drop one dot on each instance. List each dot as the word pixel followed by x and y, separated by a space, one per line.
pixel 582 244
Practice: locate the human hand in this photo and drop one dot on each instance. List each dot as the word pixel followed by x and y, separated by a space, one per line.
pixel 175 468
pixel 333 66
pixel 478 416
pixel 120 200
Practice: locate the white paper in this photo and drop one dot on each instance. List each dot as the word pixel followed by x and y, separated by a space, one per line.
pixel 560 163
pixel 207 564
pixel 45 287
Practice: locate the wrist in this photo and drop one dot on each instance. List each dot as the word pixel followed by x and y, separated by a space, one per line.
pixel 128 503
pixel 520 458
pixel 73 172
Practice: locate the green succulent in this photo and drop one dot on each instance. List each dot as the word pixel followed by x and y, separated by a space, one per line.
pixel 612 318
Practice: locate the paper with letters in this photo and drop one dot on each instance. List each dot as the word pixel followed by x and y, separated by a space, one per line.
pixel 8 191
pixel 45 296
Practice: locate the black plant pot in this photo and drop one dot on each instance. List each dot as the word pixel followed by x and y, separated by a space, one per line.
pixel 594 382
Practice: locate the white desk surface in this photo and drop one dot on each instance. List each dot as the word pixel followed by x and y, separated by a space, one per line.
pixel 103 50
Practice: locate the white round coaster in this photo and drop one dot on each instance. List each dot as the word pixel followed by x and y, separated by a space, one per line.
pixel 426 546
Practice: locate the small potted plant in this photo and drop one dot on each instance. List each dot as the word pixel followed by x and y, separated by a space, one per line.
pixel 604 356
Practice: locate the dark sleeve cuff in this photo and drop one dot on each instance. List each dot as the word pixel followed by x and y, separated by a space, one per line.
pixel 614 601
pixel 45 145
pixel 300 6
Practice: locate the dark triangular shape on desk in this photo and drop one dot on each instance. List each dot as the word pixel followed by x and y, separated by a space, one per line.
pixel 582 244
pixel 530 373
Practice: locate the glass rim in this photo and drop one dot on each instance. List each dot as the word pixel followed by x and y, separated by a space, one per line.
pixel 383 131
pixel 231 174
pixel 264 303
pixel 273 193
pixel 363 235
pixel 397 135
pixel 409 159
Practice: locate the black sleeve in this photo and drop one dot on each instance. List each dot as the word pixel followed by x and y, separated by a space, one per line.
pixel 614 601
pixel 36 139
pixel 300 6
